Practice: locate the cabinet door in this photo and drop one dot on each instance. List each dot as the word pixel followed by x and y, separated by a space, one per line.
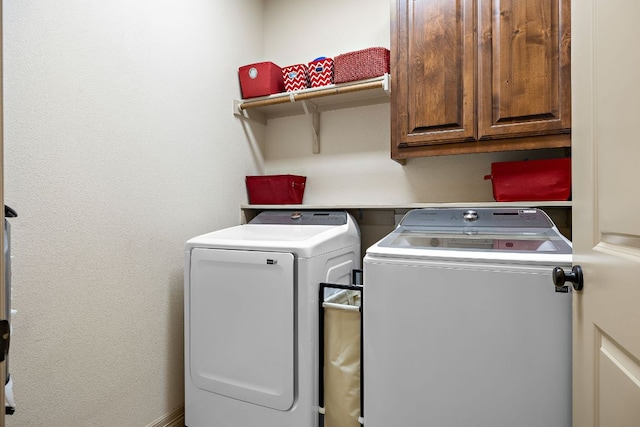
pixel 432 73
pixel 524 75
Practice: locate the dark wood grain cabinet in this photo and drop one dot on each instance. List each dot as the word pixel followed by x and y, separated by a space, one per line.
pixel 479 76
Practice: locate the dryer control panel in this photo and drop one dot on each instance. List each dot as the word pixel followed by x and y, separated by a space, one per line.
pixel 295 217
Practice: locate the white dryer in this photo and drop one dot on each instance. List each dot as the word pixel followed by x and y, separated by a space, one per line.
pixel 251 316
pixel 463 325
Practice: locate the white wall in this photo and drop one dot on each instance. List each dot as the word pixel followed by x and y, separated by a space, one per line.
pixel 119 145
pixel 354 165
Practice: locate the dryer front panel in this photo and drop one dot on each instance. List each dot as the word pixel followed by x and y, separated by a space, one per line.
pixel 242 325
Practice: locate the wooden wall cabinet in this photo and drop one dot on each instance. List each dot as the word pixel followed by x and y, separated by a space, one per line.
pixel 472 76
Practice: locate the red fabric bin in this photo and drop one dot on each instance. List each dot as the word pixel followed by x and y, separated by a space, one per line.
pixel 275 189
pixel 361 64
pixel 260 79
pixel 531 180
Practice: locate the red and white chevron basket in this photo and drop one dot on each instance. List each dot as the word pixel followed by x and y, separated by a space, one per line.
pixel 295 77
pixel 321 72
pixel 361 64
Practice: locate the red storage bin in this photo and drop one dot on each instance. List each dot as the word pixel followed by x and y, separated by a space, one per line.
pixel 320 72
pixel 295 77
pixel 531 180
pixel 260 79
pixel 361 64
pixel 275 189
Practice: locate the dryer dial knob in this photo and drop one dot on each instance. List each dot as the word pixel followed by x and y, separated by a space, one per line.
pixel 470 216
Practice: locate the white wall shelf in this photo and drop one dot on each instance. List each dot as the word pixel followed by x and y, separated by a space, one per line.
pixel 311 102
pixel 325 98
pixel 537 204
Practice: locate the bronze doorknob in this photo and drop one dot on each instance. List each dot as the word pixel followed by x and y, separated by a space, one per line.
pixel 575 277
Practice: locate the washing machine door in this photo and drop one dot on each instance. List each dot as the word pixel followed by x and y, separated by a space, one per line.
pixel 242 325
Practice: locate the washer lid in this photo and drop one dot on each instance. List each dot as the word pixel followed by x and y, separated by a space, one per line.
pixel 485 233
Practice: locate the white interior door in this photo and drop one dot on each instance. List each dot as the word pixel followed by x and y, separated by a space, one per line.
pixel 241 319
pixel 606 154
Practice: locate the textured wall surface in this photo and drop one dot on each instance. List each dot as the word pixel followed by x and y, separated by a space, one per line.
pixel 120 145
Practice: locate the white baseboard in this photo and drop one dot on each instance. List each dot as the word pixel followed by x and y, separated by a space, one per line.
pixel 172 419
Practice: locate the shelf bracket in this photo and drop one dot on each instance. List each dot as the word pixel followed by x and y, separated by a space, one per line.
pixel 386 84
pixel 314 121
pixel 248 115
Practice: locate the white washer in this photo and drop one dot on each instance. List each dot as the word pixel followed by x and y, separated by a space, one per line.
pixel 251 316
pixel 463 325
